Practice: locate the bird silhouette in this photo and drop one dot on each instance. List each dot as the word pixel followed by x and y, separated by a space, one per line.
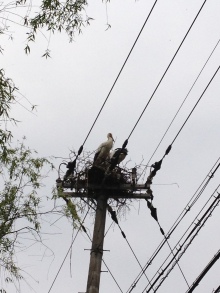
pixel 119 153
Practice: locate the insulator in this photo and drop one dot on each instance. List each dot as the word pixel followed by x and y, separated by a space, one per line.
pixel 125 144
pixel 157 165
pixel 161 230
pixel 123 234
pixel 168 149
pixel 134 175
pixel 84 229
pixel 80 150
pixel 71 165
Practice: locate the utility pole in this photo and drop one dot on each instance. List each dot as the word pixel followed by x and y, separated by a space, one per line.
pixel 101 193
pixel 97 246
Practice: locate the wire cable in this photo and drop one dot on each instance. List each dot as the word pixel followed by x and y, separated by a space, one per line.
pixel 187 208
pixel 204 272
pixel 166 70
pixel 124 236
pixel 217 290
pixel 166 240
pixel 81 226
pixel 120 72
pixel 103 259
pixel 195 105
pixel 114 218
pixel 198 226
pixel 180 106
pixel 72 165
pixel 157 165
pixel 112 276
pixel 196 229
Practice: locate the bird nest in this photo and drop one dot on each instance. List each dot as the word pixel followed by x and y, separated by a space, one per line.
pixel 86 181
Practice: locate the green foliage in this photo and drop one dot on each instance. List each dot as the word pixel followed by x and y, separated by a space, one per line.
pixel 7 99
pixel 69 209
pixel 19 201
pixel 58 16
pixel 50 15
pixel 20 168
pixel 7 89
pixel 20 179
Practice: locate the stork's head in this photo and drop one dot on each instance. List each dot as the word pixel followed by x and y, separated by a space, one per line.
pixel 109 135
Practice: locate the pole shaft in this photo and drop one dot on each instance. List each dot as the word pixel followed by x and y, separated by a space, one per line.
pixel 97 246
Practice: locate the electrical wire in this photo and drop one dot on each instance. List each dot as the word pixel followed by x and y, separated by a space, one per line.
pixel 72 165
pixel 124 236
pixel 213 50
pixel 166 240
pixel 114 218
pixel 108 268
pixel 187 208
pixel 103 259
pixel 120 72
pixel 157 165
pixel 204 272
pixel 166 70
pixel 195 105
pixel 112 276
pixel 198 225
pixel 148 101
pixel 217 290
pixel 81 226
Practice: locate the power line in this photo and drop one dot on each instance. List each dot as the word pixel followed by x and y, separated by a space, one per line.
pixel 187 208
pixel 120 72
pixel 204 272
pixel 166 70
pixel 114 218
pixel 154 215
pixel 166 240
pixel 217 290
pixel 195 105
pixel 112 276
pixel 213 50
pixel 84 230
pixel 81 226
pixel 103 259
pixel 157 165
pixel 124 236
pixel 193 233
pixel 71 165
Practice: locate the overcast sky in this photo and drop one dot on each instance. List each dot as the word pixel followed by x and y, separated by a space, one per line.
pixel 69 89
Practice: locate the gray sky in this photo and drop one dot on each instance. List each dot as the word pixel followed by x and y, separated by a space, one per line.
pixel 69 89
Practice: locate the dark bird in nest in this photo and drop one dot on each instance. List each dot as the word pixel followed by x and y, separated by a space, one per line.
pixel 119 153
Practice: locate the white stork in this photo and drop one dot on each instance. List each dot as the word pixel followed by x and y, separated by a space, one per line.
pixel 103 150
pixel 120 152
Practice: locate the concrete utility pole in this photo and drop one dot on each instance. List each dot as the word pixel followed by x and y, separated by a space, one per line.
pixel 97 246
pixel 114 191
